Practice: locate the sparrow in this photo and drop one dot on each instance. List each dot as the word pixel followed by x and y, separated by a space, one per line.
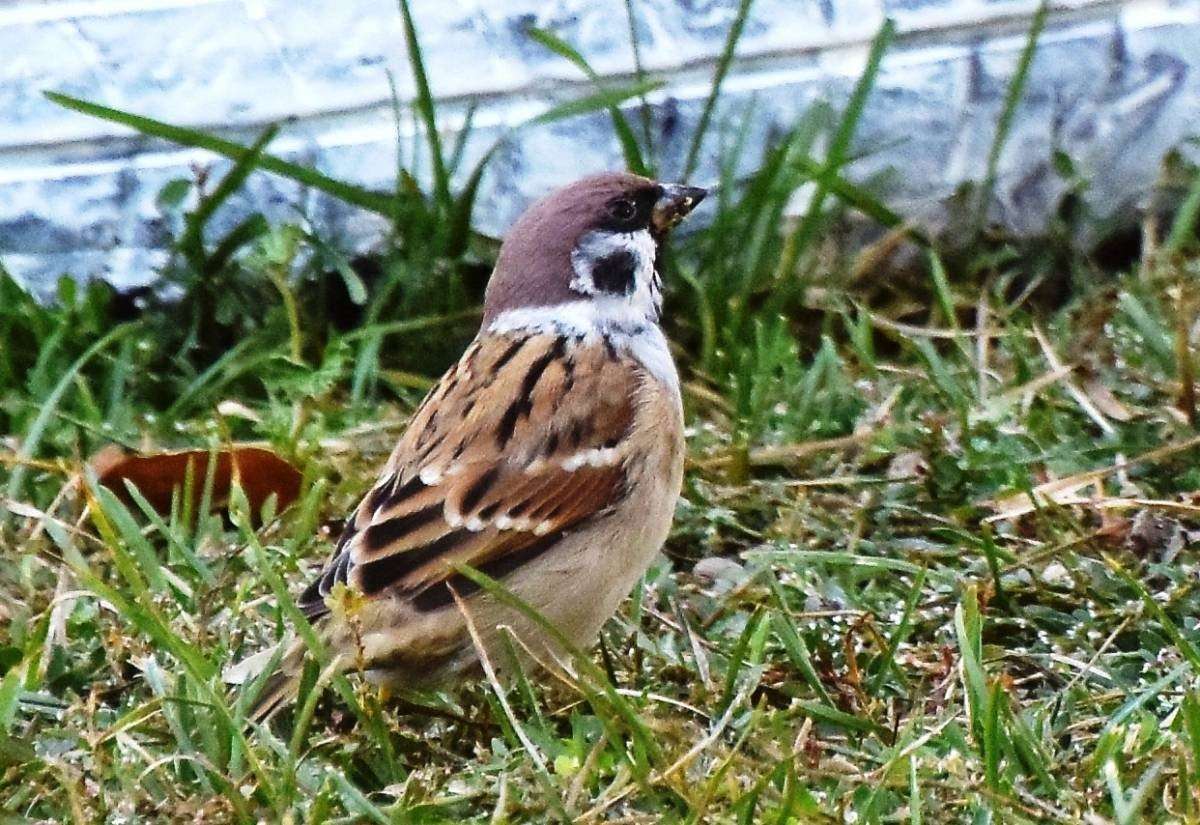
pixel 549 457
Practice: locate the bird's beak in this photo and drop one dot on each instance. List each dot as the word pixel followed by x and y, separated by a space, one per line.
pixel 674 205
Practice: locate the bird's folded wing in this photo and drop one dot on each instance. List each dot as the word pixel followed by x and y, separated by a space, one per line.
pixel 522 441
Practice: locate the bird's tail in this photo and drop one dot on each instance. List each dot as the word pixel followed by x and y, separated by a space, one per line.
pixel 277 670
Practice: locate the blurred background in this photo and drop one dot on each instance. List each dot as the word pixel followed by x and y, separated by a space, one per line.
pixel 1114 86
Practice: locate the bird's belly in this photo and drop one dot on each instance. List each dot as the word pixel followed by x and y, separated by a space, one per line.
pixel 576 587
pixel 581 584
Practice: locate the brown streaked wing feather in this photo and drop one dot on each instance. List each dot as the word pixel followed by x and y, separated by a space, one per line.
pixel 490 442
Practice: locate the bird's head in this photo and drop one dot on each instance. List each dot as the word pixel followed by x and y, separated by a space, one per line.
pixel 593 243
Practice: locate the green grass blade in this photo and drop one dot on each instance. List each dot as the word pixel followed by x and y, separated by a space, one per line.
pixel 1012 97
pixel 148 620
pixel 639 74
pixel 993 732
pixel 1185 645
pixel 839 148
pixel 738 657
pixel 370 717
pixel 942 291
pixel 426 108
pixel 245 233
pixel 138 610
pixel 219 373
pixel 602 99
pixel 1139 700
pixel 459 233
pixel 10 696
pixel 357 802
pixel 836 559
pixel 629 143
pixel 1183 228
pixel 192 242
pixel 49 406
pixel 968 628
pixel 1031 753
pixel 413 324
pixel 459 149
pixel 130 533
pixel 848 721
pixel 887 661
pixel 915 801
pixel 377 202
pixel 857 197
pixel 724 61
pixel 563 49
pixel 175 540
pixel 621 705
pixel 789 636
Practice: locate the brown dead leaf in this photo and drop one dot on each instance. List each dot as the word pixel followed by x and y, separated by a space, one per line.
pixel 157 476
pixel 1070 490
pixel 1105 401
pixel 1114 528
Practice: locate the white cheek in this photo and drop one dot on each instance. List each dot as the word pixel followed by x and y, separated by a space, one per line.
pixel 629 321
pixel 595 246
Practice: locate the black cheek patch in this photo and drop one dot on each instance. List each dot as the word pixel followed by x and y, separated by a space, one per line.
pixel 615 272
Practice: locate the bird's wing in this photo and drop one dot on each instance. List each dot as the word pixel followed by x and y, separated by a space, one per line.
pixel 521 441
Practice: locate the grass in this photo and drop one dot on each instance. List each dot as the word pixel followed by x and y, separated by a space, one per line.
pixel 935 558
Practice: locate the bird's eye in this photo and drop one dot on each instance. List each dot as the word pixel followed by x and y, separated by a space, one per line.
pixel 623 210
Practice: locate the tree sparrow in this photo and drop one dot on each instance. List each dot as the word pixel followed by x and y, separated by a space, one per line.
pixel 549 457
